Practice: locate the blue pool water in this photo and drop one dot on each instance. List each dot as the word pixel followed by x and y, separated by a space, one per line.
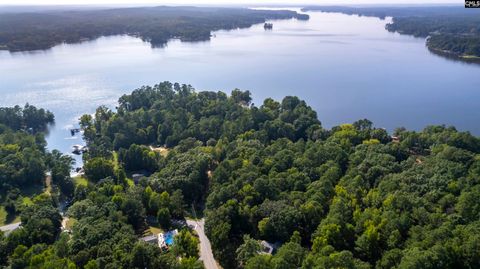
pixel 169 238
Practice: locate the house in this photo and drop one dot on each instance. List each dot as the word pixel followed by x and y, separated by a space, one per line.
pixel 267 248
pixel 152 239
pixel 137 177
pixel 163 240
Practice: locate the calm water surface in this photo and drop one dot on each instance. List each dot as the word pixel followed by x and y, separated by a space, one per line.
pixel 345 67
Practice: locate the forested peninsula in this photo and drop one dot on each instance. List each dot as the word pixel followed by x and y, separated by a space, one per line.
pixel 41 30
pixel 353 196
pixel 449 31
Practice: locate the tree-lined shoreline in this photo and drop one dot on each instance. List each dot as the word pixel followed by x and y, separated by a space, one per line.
pixel 449 30
pixel 30 31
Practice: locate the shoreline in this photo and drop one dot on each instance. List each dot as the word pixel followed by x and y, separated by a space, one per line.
pixel 389 27
pixel 454 56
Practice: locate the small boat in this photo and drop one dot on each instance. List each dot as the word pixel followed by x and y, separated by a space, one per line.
pixel 74 131
pixel 268 26
pixel 78 149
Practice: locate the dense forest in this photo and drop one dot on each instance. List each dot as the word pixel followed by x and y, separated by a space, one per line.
pixel 103 222
pixel 450 30
pixel 352 196
pixel 44 29
pixel 24 162
pixel 23 157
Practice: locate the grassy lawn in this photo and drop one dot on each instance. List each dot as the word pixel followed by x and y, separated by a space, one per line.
pixel 27 194
pixel 3 216
pixel 154 230
pixel 80 180
pixel 70 223
pixel 6 219
pixel 27 201
pixel 115 160
pixel 153 227
pixel 162 150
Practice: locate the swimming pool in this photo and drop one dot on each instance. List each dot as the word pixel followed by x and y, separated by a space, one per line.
pixel 169 238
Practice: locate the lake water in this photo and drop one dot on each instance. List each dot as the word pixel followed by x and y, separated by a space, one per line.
pixel 345 67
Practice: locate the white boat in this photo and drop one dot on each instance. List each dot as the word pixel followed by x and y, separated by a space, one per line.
pixel 78 149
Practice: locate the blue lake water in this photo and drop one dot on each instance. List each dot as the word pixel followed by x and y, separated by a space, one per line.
pixel 345 67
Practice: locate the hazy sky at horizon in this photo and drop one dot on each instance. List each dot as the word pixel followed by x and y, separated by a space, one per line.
pixel 193 2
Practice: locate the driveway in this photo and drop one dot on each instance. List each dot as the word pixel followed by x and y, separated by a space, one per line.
pixel 10 227
pixel 206 254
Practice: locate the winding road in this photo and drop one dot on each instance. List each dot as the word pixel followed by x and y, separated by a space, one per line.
pixel 206 254
pixel 13 226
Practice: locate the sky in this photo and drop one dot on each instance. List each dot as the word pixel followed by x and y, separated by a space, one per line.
pixel 222 2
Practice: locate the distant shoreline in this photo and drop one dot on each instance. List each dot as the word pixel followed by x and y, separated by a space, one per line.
pixel 19 32
pixel 417 22
pixel 454 56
